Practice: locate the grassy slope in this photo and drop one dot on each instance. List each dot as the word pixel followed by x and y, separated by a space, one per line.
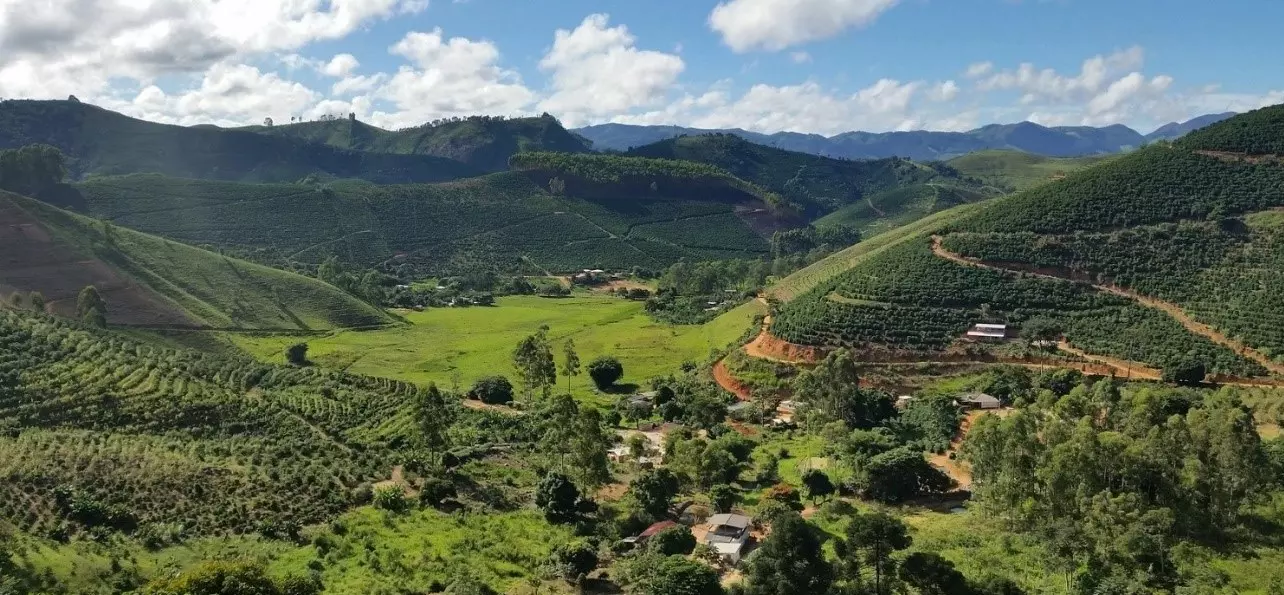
pixel 1015 170
pixel 105 142
pixel 478 342
pixel 436 228
pixel 209 289
pixel 483 143
pixel 807 278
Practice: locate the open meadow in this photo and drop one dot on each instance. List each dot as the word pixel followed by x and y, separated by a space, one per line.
pixel 476 342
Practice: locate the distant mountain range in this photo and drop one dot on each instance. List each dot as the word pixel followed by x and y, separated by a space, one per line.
pixel 1059 141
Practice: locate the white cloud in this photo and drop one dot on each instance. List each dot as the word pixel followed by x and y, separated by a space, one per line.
pixel 227 95
pixel 800 57
pixel 57 47
pixel 945 91
pixel 747 25
pixel 340 66
pixel 596 70
pixel 446 78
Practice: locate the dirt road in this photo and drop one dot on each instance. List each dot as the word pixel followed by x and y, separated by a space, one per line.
pixel 1168 308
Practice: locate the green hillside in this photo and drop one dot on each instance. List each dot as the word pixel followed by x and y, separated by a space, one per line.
pixel 820 184
pixel 1259 132
pixel 152 282
pixel 102 142
pixel 1164 222
pixel 502 221
pixel 482 142
pixel 1015 170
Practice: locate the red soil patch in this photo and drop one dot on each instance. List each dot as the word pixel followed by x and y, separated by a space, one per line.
pixel 730 383
pixel 1244 157
pixel 768 346
pixel 32 259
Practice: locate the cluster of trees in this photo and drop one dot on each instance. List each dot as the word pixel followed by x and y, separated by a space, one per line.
pixel 1114 481
pixel 32 170
pixel 537 370
pixel 1259 132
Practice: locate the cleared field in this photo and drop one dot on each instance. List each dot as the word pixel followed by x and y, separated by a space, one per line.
pixel 801 281
pixel 478 342
pixel 1016 170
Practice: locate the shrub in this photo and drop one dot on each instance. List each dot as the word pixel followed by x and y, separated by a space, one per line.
pixel 435 490
pixel 673 541
pixel 493 390
pixel 297 354
pixel 605 371
pixel 391 498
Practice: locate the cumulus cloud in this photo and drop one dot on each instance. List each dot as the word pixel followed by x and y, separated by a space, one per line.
pixel 447 78
pixel 79 46
pixel 747 25
pixel 340 66
pixel 596 70
pixel 945 91
pixel 227 95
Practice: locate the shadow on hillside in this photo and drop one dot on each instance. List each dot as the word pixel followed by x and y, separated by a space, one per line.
pixel 627 388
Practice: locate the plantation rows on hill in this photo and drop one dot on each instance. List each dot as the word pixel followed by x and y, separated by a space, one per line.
pixel 907 298
pixel 902 205
pixel 150 281
pixel 1223 274
pixel 123 435
pixel 102 142
pixel 1259 132
pixel 1017 170
pixel 502 221
pixel 1154 185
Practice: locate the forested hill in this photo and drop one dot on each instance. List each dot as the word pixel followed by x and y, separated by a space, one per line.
pixel 1193 224
pixel 99 141
pixel 150 282
pixel 483 142
pixel 821 184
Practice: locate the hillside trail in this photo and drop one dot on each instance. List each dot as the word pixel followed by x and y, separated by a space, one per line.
pixel 1169 308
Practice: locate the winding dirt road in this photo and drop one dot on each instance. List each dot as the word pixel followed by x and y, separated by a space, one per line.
pixel 1168 308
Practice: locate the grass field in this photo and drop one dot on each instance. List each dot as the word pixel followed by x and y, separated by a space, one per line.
pixel 1015 170
pixel 478 342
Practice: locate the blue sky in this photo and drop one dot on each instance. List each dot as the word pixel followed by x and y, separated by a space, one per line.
pixel 822 66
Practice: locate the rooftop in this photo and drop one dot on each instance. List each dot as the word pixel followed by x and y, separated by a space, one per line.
pixel 738 521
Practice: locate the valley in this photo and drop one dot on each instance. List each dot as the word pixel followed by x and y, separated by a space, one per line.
pixel 483 355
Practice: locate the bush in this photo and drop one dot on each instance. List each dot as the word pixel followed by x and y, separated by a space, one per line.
pixel 493 390
pixel 297 354
pixel 1186 374
pixel 673 541
pixel 391 498
pixel 435 490
pixel 572 561
pixel 605 371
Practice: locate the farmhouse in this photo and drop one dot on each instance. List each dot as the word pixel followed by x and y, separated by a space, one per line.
pixel 728 535
pixel 650 532
pixel 978 401
pixel 988 332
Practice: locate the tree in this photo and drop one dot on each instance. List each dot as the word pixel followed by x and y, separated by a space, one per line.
pixel 267 122
pixel 572 561
pixel 723 497
pixel 571 364
pixel 653 574
pixel 653 492
pixel 558 498
pixel 789 561
pixel 533 360
pixel 37 300
pixel 817 483
pixel 90 307
pixel 832 391
pixel 589 448
pixel 605 371
pixel 433 419
pixel 16 301
pixel 902 474
pixel 436 490
pixel 492 390
pixel 217 578
pixel 931 574
pixel 297 354
pixel 871 540
pixel 557 186
pixel 32 170
pixel 1186 373
pixel 673 541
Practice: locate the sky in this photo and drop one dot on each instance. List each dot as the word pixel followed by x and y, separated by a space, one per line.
pixel 812 66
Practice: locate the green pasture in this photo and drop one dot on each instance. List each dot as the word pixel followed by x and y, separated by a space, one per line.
pixel 441 343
